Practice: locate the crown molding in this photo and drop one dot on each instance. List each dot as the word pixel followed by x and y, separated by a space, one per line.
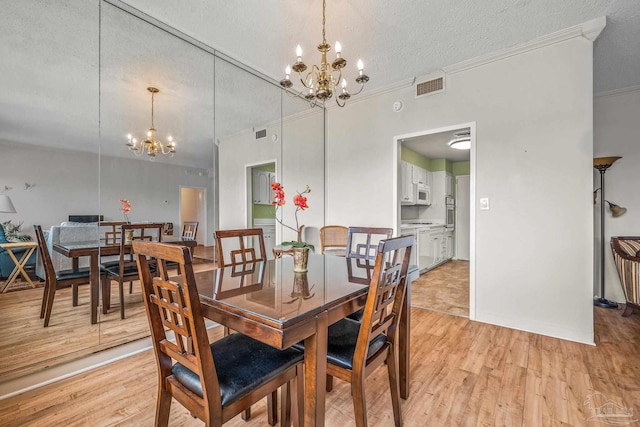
pixel 589 30
pixel 616 92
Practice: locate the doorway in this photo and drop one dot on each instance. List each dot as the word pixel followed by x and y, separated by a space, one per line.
pixel 193 209
pixel 261 213
pixel 447 284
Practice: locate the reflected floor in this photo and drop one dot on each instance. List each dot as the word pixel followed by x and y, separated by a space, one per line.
pixel 26 346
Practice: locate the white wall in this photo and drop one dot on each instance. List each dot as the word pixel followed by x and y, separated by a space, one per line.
pixel 616 129
pixel 299 156
pixel 73 182
pixel 534 145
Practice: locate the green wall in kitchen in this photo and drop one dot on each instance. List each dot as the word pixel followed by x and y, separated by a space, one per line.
pixel 264 211
pixel 435 165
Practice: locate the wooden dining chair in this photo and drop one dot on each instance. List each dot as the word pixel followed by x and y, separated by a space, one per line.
pixel 362 242
pixel 216 381
pixel 240 246
pixel 111 231
pixel 125 268
pixel 333 237
pixel 356 349
pixel 55 280
pixel 190 230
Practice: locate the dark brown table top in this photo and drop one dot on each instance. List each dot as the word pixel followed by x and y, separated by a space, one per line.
pixel 270 290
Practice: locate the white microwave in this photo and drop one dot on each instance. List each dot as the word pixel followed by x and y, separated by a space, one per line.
pixel 423 195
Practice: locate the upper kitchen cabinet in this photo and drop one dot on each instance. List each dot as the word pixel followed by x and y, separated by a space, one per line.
pixel 448 185
pixel 262 180
pixel 407 187
pixel 420 176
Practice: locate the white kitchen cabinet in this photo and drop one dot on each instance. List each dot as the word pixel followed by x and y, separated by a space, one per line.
pixel 448 244
pixel 407 187
pixel 415 250
pixel 269 235
pixel 448 185
pixel 420 176
pixel 262 186
pixel 426 255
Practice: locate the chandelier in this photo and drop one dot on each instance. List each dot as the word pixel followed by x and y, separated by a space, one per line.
pixel 322 81
pixel 150 145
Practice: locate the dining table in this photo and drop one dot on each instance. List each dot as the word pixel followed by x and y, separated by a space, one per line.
pixel 271 303
pixel 94 249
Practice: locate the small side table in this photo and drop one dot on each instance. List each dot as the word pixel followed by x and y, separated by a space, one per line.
pixel 20 263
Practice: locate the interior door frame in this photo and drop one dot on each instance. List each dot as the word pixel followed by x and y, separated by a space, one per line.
pixel 397 144
pixel 202 227
pixel 248 188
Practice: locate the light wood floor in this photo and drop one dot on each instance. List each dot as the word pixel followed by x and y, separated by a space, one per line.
pixel 444 289
pixel 26 346
pixel 463 373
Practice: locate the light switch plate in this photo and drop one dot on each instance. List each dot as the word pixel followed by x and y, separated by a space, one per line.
pixel 484 204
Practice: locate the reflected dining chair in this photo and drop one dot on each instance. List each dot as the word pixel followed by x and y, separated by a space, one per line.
pixel 334 238
pixel 55 280
pixel 216 381
pixel 362 242
pixel 356 349
pixel 240 246
pixel 125 269
pixel 190 230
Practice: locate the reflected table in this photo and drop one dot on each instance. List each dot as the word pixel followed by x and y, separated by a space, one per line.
pixel 95 249
pixel 270 303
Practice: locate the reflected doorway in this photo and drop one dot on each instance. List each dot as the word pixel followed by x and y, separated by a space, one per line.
pixel 193 209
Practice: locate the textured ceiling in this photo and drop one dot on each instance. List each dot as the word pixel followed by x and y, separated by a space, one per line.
pixel 58 64
pixel 402 39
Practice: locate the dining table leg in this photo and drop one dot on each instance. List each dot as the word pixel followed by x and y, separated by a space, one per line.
pixel 315 373
pixel 94 285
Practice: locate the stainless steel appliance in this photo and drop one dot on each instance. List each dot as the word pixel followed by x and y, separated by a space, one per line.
pixel 450 217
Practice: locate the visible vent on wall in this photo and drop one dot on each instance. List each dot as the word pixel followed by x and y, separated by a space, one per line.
pixel 261 133
pixel 429 86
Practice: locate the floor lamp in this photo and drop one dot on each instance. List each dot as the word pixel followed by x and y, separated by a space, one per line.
pixel 602 164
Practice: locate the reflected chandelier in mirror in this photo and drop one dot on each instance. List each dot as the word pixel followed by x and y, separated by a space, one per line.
pixel 150 145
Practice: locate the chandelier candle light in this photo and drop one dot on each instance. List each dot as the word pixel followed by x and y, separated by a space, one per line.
pixel 150 145
pixel 322 81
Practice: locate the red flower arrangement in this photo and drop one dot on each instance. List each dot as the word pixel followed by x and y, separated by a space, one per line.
pixel 300 202
pixel 126 208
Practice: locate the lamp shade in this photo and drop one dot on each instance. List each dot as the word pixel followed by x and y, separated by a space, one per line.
pixel 6 205
pixel 604 163
pixel 616 210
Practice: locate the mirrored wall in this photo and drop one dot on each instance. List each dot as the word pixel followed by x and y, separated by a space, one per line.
pixel 75 84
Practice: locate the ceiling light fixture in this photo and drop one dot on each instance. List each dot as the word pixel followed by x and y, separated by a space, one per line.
pixel 150 145
pixel 322 81
pixel 461 140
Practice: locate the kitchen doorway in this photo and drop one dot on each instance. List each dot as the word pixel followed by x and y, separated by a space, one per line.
pixel 444 246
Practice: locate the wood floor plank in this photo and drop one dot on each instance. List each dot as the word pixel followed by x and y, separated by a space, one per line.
pixel 463 373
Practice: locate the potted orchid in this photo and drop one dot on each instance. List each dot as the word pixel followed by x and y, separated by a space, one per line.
pixel 299 247
pixel 126 208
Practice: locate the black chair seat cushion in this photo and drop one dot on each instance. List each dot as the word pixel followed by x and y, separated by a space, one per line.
pixel 112 268
pixel 242 364
pixel 341 345
pixel 357 316
pixel 73 274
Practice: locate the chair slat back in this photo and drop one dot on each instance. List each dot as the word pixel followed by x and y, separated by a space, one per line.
pixel 333 236
pixel 241 246
pixel 190 230
pixel 49 270
pixel 386 292
pixel 147 232
pixel 112 231
pixel 362 242
pixel 174 304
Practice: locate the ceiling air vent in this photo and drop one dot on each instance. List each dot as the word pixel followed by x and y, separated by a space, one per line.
pixel 429 86
pixel 261 133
